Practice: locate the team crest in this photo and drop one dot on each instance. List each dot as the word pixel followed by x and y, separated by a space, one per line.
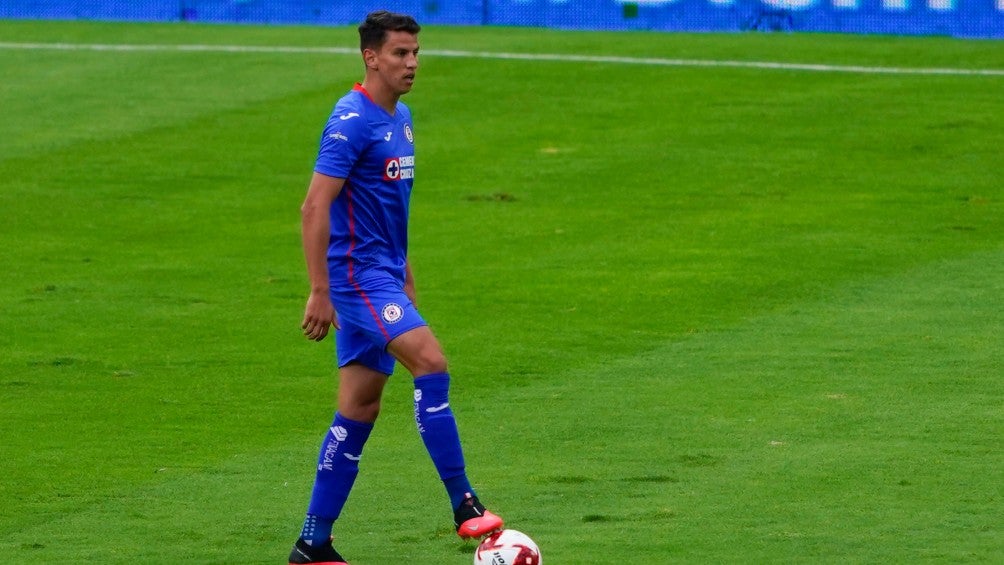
pixel 408 134
pixel 392 313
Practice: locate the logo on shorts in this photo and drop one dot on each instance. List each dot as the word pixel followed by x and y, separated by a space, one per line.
pixel 392 313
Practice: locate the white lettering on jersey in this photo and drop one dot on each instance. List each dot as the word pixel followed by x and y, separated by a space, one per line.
pixel 399 168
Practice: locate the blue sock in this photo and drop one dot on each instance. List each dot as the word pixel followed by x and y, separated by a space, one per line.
pixel 337 467
pixel 438 429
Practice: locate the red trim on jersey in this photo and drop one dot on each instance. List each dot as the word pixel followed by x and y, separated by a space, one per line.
pixel 352 280
pixel 359 88
pixel 373 311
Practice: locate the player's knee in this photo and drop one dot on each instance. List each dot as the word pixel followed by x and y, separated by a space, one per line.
pixel 370 412
pixel 430 360
pixel 360 411
pixel 419 351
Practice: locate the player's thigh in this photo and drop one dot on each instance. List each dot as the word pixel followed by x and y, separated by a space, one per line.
pixel 419 351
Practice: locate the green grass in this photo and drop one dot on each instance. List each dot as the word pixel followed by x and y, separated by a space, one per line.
pixel 722 315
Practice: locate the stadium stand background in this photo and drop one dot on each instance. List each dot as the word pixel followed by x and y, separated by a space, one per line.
pixel 960 18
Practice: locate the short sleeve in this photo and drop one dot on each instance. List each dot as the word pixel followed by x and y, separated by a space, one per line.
pixel 344 139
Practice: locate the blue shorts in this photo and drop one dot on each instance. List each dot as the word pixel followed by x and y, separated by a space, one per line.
pixel 370 316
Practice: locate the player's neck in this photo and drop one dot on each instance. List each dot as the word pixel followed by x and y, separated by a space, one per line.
pixel 380 94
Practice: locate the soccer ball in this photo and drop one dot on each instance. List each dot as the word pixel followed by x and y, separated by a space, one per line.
pixel 507 547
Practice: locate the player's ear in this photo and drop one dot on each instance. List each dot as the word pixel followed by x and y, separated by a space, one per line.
pixel 370 58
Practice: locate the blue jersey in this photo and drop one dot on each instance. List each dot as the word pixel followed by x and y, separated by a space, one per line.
pixel 375 153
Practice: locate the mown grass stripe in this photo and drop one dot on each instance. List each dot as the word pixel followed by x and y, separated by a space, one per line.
pixel 548 57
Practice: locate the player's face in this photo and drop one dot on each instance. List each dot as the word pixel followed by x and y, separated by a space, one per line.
pixel 397 61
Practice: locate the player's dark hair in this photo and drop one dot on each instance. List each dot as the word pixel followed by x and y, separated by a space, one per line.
pixel 373 32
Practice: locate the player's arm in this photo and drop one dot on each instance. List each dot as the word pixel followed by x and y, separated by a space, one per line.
pixel 319 315
pixel 409 284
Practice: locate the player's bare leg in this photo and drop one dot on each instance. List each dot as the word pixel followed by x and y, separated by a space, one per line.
pixel 419 351
pixel 359 391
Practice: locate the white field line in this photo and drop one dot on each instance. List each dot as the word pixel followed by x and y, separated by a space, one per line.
pixel 552 57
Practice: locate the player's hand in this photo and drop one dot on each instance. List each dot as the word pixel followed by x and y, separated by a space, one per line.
pixel 319 316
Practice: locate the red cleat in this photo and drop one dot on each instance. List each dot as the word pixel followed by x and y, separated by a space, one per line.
pixel 473 521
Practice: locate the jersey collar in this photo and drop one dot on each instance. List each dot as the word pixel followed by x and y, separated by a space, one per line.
pixel 359 88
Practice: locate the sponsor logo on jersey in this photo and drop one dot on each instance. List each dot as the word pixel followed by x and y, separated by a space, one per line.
pixel 348 116
pixel 339 136
pixel 399 168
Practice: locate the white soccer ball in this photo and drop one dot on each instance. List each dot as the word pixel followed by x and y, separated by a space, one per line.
pixel 508 547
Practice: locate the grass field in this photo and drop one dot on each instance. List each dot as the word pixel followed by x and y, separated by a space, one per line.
pixel 694 314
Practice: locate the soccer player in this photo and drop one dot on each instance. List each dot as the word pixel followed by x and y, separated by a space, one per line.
pixel 355 239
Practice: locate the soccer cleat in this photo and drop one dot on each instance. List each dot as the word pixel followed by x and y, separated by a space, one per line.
pixel 473 521
pixel 303 553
